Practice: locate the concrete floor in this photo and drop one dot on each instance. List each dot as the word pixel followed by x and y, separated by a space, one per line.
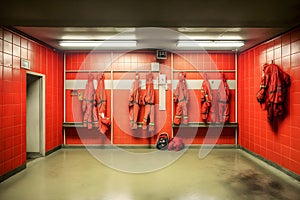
pixel 223 174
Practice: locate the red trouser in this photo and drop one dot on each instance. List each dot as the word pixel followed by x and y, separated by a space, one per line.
pixel 149 112
pixel 224 111
pixel 90 115
pixel 205 110
pixel 213 115
pixel 133 115
pixel 181 110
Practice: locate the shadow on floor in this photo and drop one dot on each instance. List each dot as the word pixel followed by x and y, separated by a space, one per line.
pixel 30 156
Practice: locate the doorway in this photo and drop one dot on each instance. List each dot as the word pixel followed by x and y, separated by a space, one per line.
pixel 35 120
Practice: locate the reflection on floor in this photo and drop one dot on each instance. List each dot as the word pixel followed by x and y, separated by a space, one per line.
pixel 80 174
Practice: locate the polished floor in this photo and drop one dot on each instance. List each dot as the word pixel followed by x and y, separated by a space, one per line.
pixel 71 174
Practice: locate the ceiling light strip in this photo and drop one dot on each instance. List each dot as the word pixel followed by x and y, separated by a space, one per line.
pixel 189 43
pixel 108 43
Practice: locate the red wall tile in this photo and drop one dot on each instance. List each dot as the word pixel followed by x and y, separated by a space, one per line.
pixel 283 146
pixel 141 60
pixel 13 97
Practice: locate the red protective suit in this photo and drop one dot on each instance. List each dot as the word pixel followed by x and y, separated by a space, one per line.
pixel 148 101
pixel 100 99
pixel 206 98
pixel 88 105
pixel 100 96
pixel 181 96
pixel 273 90
pixel 223 100
pixel 134 102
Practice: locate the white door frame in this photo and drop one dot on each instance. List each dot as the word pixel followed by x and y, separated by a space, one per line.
pixel 43 111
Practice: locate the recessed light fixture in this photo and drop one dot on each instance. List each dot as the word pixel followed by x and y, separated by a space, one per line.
pixel 99 37
pixel 209 37
pixel 229 44
pixel 95 43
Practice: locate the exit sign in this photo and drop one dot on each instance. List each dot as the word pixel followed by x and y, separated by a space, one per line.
pixel 161 54
pixel 25 64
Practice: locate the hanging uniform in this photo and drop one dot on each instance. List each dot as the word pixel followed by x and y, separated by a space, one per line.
pixel 213 111
pixel 100 96
pixel 181 96
pixel 134 102
pixel 148 101
pixel 100 99
pixel 88 105
pixel 206 98
pixel 273 90
pixel 104 124
pixel 223 100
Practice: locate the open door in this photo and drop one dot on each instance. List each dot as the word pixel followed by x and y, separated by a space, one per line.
pixel 35 120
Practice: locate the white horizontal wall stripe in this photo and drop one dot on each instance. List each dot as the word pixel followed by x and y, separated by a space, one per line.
pixel 196 84
pixel 80 84
pixel 126 84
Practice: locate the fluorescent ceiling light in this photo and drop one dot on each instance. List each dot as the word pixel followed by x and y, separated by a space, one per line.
pixel 108 43
pixel 230 37
pixel 99 37
pixel 210 44
pixel 209 37
pixel 98 29
pixel 207 29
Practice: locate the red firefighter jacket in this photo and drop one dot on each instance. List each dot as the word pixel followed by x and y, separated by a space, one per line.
pixel 148 101
pixel 89 93
pixel 100 95
pixel 206 97
pixel 89 89
pixel 100 98
pixel 149 94
pixel 273 90
pixel 223 92
pixel 223 99
pixel 181 93
pixel 88 104
pixel 135 92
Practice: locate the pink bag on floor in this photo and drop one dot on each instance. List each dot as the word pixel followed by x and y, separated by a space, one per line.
pixel 175 144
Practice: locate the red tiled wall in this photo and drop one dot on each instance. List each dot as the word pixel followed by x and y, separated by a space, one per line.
pixel 255 133
pixel 206 61
pixel 13 96
pixel 131 61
